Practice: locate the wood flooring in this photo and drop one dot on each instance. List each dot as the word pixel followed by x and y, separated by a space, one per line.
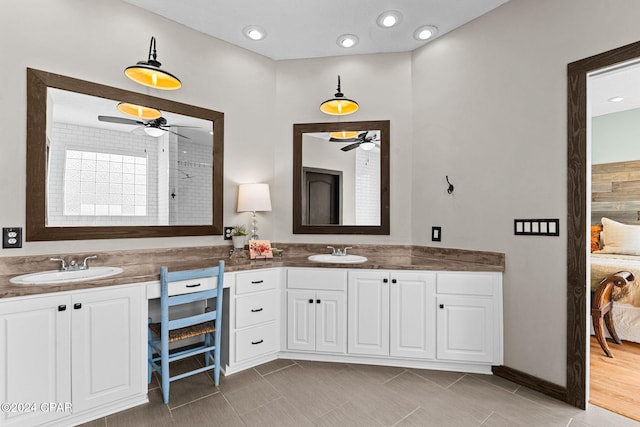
pixel 615 382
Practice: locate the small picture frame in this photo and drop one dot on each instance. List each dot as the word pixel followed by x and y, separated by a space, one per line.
pixel 260 249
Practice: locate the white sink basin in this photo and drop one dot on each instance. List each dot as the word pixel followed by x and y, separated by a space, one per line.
pixel 56 276
pixel 338 259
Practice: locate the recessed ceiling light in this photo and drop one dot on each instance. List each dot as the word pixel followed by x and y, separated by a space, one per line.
pixel 255 32
pixel 425 32
pixel 615 99
pixel 389 19
pixel 347 40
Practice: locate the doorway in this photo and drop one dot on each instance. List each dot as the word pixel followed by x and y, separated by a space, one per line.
pixel 578 190
pixel 322 202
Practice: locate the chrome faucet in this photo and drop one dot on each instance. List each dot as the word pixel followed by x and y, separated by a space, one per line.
pixel 339 252
pixel 63 264
pixel 85 264
pixel 73 265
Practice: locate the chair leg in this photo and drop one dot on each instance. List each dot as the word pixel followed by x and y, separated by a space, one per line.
pixel 216 357
pixel 164 359
pixel 598 328
pixel 207 343
pixel 608 321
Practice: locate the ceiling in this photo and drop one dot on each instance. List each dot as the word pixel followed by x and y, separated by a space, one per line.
pixel 299 29
pixel 619 81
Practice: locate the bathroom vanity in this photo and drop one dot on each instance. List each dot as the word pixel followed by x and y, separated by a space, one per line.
pixel 84 344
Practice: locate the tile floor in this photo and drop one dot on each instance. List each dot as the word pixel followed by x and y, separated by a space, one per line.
pixel 286 393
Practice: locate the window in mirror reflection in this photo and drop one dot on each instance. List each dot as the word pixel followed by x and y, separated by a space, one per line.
pixel 341 178
pixel 107 173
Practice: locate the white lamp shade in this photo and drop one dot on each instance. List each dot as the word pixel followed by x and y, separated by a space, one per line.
pixel 254 198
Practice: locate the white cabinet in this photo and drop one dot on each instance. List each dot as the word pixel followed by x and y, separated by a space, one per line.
pixel 392 314
pixel 368 324
pixel 316 310
pixel 103 332
pixel 251 328
pixel 315 321
pixel 107 343
pixel 469 317
pixel 412 315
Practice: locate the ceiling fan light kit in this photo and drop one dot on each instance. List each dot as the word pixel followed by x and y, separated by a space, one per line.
pixel 339 105
pixel 138 111
pixel 148 73
pixel 344 134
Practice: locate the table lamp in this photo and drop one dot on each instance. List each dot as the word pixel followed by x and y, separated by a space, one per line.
pixel 254 198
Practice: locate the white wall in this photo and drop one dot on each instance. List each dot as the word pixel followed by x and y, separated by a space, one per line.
pixel 490 112
pixel 615 137
pixel 95 40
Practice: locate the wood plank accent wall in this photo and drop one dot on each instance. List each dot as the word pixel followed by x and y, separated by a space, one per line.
pixel 615 192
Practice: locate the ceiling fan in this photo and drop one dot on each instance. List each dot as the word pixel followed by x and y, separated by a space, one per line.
pixel 362 138
pixel 155 127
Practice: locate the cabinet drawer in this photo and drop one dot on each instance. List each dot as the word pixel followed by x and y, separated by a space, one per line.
pixel 255 308
pixel 256 341
pixel 317 279
pixel 464 283
pixel 183 287
pixel 256 281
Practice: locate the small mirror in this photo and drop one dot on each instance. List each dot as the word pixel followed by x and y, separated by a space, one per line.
pixel 341 178
pixel 96 172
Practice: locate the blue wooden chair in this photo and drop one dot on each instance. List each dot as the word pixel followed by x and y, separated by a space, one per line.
pixel 168 331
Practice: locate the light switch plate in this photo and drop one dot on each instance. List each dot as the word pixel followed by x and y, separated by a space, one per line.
pixel 11 237
pixel 436 234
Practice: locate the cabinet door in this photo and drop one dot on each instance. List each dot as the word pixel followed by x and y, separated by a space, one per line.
pixel 301 320
pixel 108 346
pixel 412 317
pixel 368 322
pixel 465 328
pixel 330 322
pixel 35 359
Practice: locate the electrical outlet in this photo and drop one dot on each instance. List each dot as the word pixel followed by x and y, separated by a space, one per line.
pixel 227 233
pixel 11 237
pixel 436 234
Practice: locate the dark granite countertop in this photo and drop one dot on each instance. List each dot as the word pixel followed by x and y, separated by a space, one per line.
pixel 383 257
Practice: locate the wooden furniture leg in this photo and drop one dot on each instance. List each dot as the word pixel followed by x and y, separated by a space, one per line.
pixel 601 308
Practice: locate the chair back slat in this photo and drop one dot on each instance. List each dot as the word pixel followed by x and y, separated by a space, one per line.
pixel 191 320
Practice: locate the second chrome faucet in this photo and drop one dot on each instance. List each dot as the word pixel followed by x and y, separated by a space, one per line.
pixel 339 252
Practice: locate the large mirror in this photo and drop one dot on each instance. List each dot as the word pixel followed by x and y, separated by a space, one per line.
pixel 99 165
pixel 341 178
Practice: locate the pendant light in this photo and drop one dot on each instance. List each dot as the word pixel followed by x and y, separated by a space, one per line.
pixel 339 105
pixel 148 73
pixel 344 134
pixel 138 111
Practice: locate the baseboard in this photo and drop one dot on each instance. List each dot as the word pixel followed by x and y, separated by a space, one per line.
pixel 534 383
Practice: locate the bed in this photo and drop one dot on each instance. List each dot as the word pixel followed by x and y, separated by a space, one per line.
pixel 616 251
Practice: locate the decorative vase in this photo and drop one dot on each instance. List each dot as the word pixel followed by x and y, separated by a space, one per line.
pixel 238 247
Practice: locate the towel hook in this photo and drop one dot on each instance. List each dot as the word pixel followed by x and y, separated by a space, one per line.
pixel 450 189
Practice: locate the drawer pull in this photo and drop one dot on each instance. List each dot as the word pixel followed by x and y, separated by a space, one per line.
pixel 193 286
pixel 257 342
pixel 62 307
pixel 441 305
pixel 310 301
pixel 255 310
pixel 255 282
pixel 77 306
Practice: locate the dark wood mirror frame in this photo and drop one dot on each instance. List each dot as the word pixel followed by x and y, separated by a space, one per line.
pixel 36 209
pixel 302 128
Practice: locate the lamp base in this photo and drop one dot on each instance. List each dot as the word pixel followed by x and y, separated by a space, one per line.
pixel 254 227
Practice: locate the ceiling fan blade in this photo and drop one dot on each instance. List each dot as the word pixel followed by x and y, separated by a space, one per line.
pixel 170 131
pixel 351 146
pixel 332 139
pixel 181 126
pixel 119 120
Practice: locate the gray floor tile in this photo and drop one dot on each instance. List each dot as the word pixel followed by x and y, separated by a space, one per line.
pixel 497 381
pixel 347 415
pixel 380 374
pixel 384 405
pixel 442 378
pixel 100 422
pixel 212 410
pixel 248 398
pixel 275 365
pixel 154 413
pixel 238 380
pixel 277 413
pixel 190 388
pixel 437 418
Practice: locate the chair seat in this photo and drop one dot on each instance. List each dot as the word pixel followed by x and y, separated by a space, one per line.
pixel 186 332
